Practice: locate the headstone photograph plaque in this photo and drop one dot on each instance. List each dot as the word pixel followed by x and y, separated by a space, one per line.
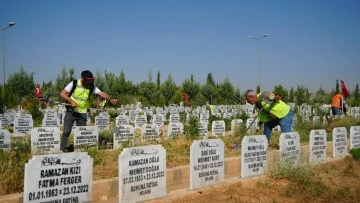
pixel 253 155
pixel 206 163
pixel 317 146
pixel 58 178
pixel 142 173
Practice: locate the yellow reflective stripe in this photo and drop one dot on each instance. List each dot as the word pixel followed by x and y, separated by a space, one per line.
pixel 79 98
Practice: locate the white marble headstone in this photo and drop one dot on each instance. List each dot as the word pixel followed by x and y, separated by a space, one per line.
pixel 123 133
pixel 140 121
pixel 174 118
pixel 254 155
pixel 317 146
pixel 102 122
pixel 253 122
pixel 174 129
pixel 339 142
pixel 86 136
pixel 206 163
pixel 218 128
pixel 142 173
pixel 45 140
pixel 122 120
pixel 23 125
pixel 158 119
pixel 203 129
pixel 5 140
pixel 150 132
pixel 58 178
pixel 290 148
pixel 354 137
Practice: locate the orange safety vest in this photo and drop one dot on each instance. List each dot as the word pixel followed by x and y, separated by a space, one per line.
pixel 336 101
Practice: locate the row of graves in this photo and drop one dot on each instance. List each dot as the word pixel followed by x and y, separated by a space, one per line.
pixel 150 121
pixel 67 177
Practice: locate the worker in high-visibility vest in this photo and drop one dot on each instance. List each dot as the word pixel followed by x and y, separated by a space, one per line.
pixel 77 94
pixel 338 105
pixel 271 111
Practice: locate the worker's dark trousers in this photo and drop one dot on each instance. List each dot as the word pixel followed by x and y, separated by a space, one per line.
pixel 69 119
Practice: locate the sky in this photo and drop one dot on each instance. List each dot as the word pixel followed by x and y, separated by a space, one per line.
pixel 310 43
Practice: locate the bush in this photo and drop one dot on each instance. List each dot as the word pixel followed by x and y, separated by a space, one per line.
pixel 355 152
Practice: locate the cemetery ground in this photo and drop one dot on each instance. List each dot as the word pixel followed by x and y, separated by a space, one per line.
pixel 335 181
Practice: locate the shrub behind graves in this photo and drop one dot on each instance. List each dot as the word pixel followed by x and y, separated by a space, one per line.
pixel 355 153
pixel 192 128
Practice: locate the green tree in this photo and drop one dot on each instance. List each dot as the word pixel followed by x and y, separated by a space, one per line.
pixel 337 87
pixel 147 90
pixel 321 97
pixel 22 87
pixel 191 87
pixel 63 79
pixel 302 95
pixel 168 89
pixel 291 95
pixel 280 90
pixel 226 92
pixel 356 96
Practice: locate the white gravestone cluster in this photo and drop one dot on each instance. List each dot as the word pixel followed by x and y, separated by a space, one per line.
pixel 142 173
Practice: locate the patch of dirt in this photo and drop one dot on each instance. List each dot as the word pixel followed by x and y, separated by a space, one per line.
pixel 335 181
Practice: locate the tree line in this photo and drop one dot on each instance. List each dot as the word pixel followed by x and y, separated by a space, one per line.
pixel 20 90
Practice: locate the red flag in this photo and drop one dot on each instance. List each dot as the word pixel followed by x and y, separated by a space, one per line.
pixel 344 90
pixel 38 92
pixel 186 98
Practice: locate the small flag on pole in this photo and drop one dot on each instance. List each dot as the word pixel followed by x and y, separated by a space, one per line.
pixel 344 90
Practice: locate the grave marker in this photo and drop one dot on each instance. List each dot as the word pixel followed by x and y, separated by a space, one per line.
pixel 45 140
pixel 218 128
pixel 5 140
pixel 290 148
pixel 339 142
pixel 254 155
pixel 354 137
pixel 123 133
pixel 86 136
pixel 142 173
pixel 317 146
pixel 206 163
pixel 58 178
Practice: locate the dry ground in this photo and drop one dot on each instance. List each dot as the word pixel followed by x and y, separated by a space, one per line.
pixel 335 181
